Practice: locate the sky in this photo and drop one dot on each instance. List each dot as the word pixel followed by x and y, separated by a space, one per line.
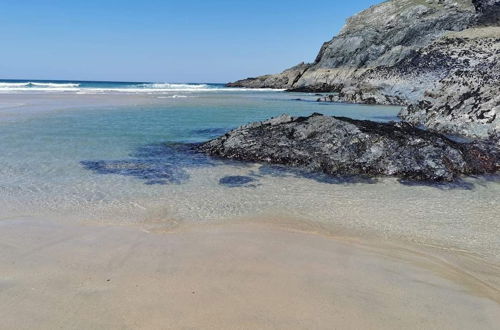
pixel 164 41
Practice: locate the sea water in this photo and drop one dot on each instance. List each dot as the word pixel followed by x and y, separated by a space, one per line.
pixel 122 153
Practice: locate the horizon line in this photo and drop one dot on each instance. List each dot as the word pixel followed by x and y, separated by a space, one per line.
pixel 109 81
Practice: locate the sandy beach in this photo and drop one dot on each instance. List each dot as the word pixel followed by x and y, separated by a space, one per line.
pixel 249 275
pixel 250 165
pixel 84 250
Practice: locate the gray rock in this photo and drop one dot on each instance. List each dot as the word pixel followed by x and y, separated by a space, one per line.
pixel 428 55
pixel 464 98
pixel 284 80
pixel 342 146
pixel 379 36
pixel 489 11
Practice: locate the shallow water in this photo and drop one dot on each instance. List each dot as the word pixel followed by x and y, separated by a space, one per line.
pixel 128 159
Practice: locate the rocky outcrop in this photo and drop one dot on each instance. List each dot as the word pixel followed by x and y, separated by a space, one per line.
pixel 465 98
pixel 450 86
pixel 284 80
pixel 342 146
pixel 413 53
pixel 379 36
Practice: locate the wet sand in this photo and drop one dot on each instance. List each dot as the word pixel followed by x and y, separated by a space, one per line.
pixel 247 275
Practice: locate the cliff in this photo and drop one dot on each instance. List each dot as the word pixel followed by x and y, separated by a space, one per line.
pixel 415 53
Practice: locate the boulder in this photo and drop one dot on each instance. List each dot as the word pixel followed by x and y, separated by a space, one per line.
pixel 343 146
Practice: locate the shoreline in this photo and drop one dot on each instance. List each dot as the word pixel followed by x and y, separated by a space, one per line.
pixel 386 208
pixel 315 254
pixel 254 274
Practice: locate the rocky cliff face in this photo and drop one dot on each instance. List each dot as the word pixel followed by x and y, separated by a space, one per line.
pixel 412 52
pixel 465 96
pixel 489 11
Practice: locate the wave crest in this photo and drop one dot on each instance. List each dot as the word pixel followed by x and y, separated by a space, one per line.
pixel 28 84
pixel 175 86
pixel 175 90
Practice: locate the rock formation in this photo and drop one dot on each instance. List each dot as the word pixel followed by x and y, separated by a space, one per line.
pixel 438 57
pixel 342 146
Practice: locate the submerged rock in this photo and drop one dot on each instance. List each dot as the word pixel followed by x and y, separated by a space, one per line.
pixel 343 146
pixel 155 164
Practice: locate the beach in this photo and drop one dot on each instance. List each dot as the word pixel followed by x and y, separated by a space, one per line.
pixel 107 222
pixel 250 165
pixel 227 276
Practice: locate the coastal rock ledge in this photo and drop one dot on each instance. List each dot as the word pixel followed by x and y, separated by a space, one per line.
pixel 439 59
pixel 343 146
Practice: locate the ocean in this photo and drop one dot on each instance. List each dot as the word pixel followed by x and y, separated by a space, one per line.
pixel 102 87
pixel 121 153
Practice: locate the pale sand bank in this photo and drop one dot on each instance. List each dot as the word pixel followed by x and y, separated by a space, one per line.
pixel 234 276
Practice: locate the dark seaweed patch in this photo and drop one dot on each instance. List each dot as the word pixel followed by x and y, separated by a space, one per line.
pixel 159 163
pixel 459 184
pixel 150 172
pixel 175 154
pixel 237 181
pixel 283 171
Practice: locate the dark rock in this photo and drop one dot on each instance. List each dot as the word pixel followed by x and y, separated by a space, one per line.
pixel 284 80
pixel 441 53
pixel 488 11
pixel 342 146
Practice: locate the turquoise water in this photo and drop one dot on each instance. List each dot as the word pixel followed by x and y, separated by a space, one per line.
pixel 64 139
pixel 47 155
pixel 125 159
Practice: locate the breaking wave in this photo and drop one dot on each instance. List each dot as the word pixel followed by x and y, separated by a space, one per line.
pixel 176 86
pixel 29 84
pixel 84 87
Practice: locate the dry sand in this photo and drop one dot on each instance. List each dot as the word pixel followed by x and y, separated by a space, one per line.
pixel 235 276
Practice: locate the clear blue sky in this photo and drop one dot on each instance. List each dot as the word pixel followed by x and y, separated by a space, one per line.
pixel 169 40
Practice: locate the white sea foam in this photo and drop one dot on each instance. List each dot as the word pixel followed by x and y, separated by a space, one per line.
pixel 111 88
pixel 54 85
pixel 166 90
pixel 176 86
pixel 22 85
pixel 173 97
pixel 12 85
